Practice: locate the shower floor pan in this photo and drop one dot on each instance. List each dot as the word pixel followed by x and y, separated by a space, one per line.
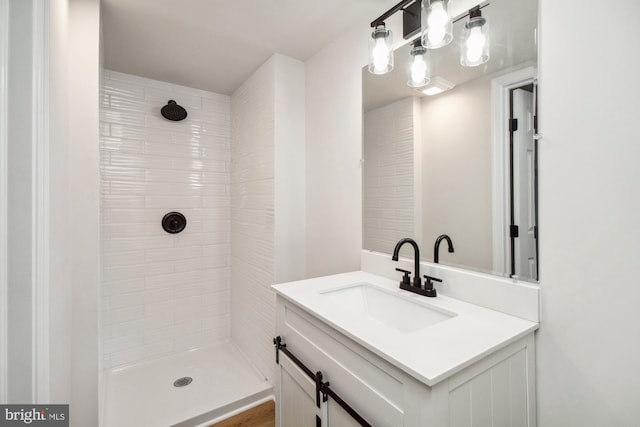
pixel 223 383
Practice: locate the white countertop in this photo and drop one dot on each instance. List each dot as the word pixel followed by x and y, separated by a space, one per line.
pixel 429 354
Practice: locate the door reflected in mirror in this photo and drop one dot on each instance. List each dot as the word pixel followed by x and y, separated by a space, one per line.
pixel 462 162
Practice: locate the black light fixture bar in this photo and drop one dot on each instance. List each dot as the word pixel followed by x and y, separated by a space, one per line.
pixel 411 22
pixel 399 7
pixel 411 16
pixel 474 9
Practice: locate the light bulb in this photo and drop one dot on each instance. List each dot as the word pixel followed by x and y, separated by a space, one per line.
pixel 436 35
pixel 475 44
pixel 418 70
pixel 436 24
pixel 380 55
pixel 380 50
pixel 438 16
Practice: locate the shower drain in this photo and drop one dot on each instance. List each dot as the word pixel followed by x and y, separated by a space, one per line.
pixel 182 382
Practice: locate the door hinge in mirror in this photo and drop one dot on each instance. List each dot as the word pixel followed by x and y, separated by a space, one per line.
pixel 513 125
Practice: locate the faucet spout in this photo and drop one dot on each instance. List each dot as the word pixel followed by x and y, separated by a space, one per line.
pixel 417 281
pixel 436 247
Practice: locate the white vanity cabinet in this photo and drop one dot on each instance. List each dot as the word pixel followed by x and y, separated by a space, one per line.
pixel 496 390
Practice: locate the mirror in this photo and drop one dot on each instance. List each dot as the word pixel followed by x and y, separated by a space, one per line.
pixel 449 163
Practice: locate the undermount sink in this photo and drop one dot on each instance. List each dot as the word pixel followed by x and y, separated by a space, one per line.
pixel 374 304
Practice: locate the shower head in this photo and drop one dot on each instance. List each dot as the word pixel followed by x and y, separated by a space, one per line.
pixel 172 111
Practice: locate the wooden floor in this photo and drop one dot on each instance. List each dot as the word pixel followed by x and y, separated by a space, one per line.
pixel 261 416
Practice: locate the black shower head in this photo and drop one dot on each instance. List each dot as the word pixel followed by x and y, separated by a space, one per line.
pixel 172 111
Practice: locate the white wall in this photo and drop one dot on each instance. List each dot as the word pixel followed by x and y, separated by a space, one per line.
pixel 60 291
pixel 4 101
pixel 74 274
pixel 456 173
pixel 289 166
pixel 588 346
pixel 333 153
pixel 20 206
pixel 163 293
pixel 388 197
pixel 82 211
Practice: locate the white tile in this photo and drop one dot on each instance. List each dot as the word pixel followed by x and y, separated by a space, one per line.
pixel 172 202
pixel 125 118
pixel 173 149
pixel 113 345
pixel 124 159
pixel 127 300
pixel 172 280
pixel 186 328
pixel 173 254
pixel 134 327
pixel 172 176
pixel 122 315
pixel 136 271
pixel 127 201
pixel 119 102
pixel 119 287
pixel 124 90
pixel 189 290
pixel 194 264
pixel 159 295
pixel 188 310
pixel 124 229
pixel 127 132
pixel 158 320
pixel 121 187
pixel 122 173
pixel 153 283
pixel 136 243
pixel 160 97
pixel 159 334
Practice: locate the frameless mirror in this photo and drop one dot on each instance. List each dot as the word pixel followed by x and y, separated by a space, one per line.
pixel 463 162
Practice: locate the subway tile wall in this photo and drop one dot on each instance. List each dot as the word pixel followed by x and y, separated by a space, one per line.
pixel 387 197
pixel 163 294
pixel 252 213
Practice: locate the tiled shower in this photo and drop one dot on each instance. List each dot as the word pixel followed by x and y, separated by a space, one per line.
pixel 167 297
pixel 163 294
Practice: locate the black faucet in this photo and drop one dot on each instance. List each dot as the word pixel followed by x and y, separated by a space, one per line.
pixel 405 284
pixel 416 253
pixel 436 247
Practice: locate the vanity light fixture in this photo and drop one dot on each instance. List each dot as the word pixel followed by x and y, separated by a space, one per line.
pixel 474 43
pixel 437 25
pixel 380 50
pixel 419 65
pixel 437 85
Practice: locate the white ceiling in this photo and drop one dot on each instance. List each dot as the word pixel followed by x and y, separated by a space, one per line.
pixel 217 44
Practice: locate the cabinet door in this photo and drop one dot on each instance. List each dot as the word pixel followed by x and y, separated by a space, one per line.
pixel 338 417
pixel 297 396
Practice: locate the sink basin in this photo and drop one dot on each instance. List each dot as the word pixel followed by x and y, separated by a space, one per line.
pixel 375 304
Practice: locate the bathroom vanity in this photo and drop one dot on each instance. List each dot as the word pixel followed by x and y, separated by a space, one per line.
pixel 392 358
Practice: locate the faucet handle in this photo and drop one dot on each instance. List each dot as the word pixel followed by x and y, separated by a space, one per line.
pixel 430 278
pixel 428 285
pixel 405 278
